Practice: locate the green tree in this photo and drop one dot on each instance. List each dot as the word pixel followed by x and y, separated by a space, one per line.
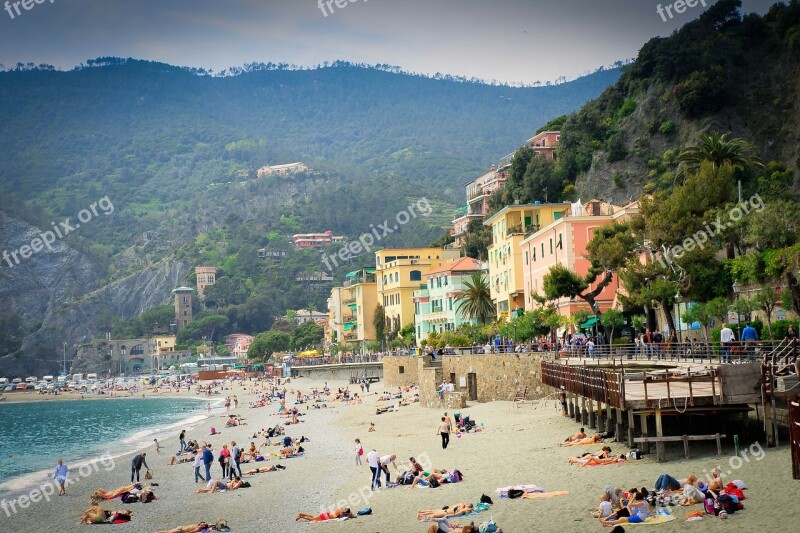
pixel 475 301
pixel 379 322
pixel 202 328
pixel 613 319
pixel 407 335
pixel 766 300
pixel 308 333
pixel 267 343
pixel 719 151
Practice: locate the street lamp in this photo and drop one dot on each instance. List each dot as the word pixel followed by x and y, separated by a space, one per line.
pixel 678 301
pixel 737 288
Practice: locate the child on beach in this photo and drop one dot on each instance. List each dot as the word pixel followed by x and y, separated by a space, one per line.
pixel 371 427
pixel 359 451
pixel 158 446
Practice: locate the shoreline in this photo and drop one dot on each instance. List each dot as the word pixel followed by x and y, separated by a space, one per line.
pixel 129 444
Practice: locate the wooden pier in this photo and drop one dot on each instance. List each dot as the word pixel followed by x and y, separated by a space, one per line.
pixel 604 397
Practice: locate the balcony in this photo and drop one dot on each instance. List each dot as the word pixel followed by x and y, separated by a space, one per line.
pixel 349 301
pixel 521 229
pixel 369 278
pixel 351 336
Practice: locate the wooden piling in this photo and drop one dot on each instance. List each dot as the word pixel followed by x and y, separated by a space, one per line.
pixel 661 457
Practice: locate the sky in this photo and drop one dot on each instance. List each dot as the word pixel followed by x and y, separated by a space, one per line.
pixel 512 41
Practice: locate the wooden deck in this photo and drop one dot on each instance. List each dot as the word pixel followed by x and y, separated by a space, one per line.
pixel 673 388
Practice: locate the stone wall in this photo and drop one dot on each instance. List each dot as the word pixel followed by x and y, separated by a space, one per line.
pixel 391 370
pixel 498 376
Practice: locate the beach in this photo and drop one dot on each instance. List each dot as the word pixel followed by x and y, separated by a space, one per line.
pixel 518 446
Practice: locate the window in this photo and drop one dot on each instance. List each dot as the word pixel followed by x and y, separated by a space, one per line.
pixel 533 252
pixel 560 243
pixel 526 257
pixel 396 277
pixel 438 282
pixel 542 249
pixel 415 275
pixel 551 246
pixel 384 279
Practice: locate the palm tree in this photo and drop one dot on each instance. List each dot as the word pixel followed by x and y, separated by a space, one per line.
pixel 719 151
pixel 475 301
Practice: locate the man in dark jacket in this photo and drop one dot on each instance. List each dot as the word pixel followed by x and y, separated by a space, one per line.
pixel 208 458
pixel 136 465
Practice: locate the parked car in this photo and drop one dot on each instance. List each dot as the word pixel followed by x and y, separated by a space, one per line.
pixel 22 386
pixel 9 388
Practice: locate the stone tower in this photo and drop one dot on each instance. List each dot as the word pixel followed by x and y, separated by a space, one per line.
pixel 206 276
pixel 183 306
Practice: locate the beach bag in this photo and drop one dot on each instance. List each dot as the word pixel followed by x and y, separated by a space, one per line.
pixel 458 476
pixel 433 483
pixel 246 485
pixel 127 497
pixel 488 527
pixel 361 451
pixel 486 499
pixel 364 511
pixel 515 493
pixel 635 454
pixel 712 506
pixel 148 474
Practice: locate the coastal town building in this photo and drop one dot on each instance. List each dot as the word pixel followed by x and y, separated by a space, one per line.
pixel 359 300
pixel 510 226
pixel 237 344
pixel 478 192
pixel 206 276
pixel 183 306
pixel 399 272
pixel 316 241
pixel 281 170
pixel 436 308
pixel 301 316
pixel 563 242
pixel 545 144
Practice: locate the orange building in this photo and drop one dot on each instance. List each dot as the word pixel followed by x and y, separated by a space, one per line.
pixel 564 242
pixel 545 143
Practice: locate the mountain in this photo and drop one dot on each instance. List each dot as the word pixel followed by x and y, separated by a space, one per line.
pixel 724 72
pixel 160 163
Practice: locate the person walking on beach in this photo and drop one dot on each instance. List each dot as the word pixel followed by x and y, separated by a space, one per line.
pixel 158 446
pixel 208 458
pixel 449 422
pixel 182 440
pixel 726 338
pixel 236 457
pixel 374 462
pixel 60 475
pixel 359 452
pixel 209 407
pixel 136 465
pixel 198 462
pixel 444 431
pixel 235 402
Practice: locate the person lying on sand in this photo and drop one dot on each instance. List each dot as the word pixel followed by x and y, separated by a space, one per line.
pixel 442 525
pixel 582 442
pixel 288 451
pixel 438 475
pixel 215 485
pixel 194 528
pixel 454 510
pixel 97 515
pixel 590 460
pixel 175 460
pixel 262 469
pixel 336 513
pixel 638 510
pixel 100 494
pixel 577 436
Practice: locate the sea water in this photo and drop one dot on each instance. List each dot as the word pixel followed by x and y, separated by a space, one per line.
pixel 34 435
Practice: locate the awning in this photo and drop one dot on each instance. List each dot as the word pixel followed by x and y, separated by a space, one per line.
pixel 353 305
pixel 352 274
pixel 589 323
pixel 349 325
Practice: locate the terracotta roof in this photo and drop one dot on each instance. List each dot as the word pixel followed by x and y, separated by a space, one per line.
pixel 465 264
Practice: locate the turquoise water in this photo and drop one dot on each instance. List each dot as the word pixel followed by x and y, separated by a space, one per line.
pixel 33 436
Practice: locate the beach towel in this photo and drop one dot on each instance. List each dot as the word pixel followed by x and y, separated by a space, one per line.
pixel 544 495
pixel 526 489
pixel 660 516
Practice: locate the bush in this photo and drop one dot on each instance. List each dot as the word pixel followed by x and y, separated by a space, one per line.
pixel 618 181
pixel 616 149
pixel 779 328
pixel 667 127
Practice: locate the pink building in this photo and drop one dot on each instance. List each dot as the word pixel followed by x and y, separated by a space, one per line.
pixel 564 242
pixel 238 343
pixel 316 241
pixel 545 143
pixel 478 193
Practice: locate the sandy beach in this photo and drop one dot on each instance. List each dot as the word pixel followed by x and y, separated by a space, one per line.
pixel 518 446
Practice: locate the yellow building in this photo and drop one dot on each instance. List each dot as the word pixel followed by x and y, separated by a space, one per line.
pixel 400 272
pixel 359 301
pixel 510 226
